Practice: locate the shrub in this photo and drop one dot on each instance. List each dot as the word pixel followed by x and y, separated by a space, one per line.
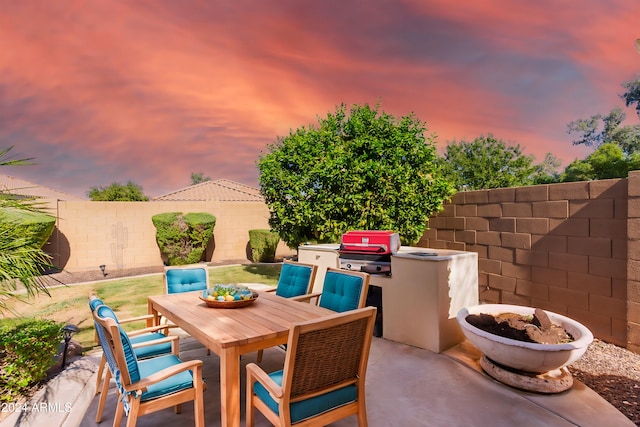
pixel 182 239
pixel 36 227
pixel 27 351
pixel 263 245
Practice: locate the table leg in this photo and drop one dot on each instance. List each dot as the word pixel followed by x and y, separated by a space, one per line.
pixel 156 317
pixel 230 387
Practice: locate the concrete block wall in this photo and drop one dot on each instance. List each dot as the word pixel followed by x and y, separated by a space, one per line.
pixel 561 247
pixel 120 235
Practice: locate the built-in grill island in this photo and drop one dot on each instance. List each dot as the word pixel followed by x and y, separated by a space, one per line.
pixel 369 251
pixel 420 294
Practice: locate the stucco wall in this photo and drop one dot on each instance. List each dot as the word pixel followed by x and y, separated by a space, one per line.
pixel 561 247
pixel 120 235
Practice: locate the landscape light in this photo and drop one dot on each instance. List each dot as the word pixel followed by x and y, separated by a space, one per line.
pixel 68 332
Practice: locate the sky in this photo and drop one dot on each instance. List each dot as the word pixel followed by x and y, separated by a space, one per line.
pixel 104 91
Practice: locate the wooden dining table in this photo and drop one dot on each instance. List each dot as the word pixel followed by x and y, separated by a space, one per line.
pixel 231 332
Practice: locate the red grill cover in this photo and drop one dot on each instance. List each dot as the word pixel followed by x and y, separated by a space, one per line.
pixel 381 242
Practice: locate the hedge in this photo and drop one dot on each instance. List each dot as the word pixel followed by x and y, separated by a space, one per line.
pixel 182 239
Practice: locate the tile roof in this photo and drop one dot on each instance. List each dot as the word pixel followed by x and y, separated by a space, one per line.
pixel 222 190
pixel 25 188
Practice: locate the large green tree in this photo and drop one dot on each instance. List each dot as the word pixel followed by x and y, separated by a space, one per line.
pixel 487 162
pixel 22 260
pixel 601 129
pixel 116 192
pixel 356 169
pixel 607 161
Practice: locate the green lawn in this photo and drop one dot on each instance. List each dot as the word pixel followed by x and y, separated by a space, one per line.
pixel 127 296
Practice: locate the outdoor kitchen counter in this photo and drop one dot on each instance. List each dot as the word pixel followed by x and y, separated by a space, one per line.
pixel 421 298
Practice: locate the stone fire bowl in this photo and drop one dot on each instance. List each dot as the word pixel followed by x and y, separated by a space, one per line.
pixel 525 356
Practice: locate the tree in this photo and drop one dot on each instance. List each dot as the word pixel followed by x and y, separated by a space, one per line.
pixel 547 172
pixel 599 129
pixel 361 170
pixel 197 178
pixel 117 192
pixel 607 161
pixel 22 260
pixel 632 94
pixel 486 163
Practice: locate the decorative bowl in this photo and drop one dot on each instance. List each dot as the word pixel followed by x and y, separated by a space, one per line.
pixel 219 296
pixel 525 356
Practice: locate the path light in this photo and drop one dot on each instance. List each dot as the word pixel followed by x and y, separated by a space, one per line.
pixel 68 332
pixel 103 268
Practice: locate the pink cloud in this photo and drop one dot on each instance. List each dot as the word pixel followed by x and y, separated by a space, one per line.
pixel 151 92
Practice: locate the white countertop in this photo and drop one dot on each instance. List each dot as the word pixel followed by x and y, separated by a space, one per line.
pixel 426 254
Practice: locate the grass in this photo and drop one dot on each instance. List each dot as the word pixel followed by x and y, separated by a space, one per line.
pixel 127 297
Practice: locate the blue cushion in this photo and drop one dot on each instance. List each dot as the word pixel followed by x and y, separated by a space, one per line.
pixel 293 281
pixel 142 352
pixel 341 292
pixel 309 407
pixel 106 312
pixel 129 355
pixel 94 303
pixel 186 279
pixel 150 350
pixel 180 381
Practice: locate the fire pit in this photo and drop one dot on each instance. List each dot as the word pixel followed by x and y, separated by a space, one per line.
pixel 509 360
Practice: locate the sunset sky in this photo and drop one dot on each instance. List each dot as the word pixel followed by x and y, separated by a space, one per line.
pixel 107 91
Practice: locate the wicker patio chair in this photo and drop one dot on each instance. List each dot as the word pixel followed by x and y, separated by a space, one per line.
pixel 323 379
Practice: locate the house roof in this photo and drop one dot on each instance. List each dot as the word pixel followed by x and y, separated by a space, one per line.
pixel 222 190
pixel 21 187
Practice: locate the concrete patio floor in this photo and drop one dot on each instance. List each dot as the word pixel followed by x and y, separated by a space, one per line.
pixel 408 386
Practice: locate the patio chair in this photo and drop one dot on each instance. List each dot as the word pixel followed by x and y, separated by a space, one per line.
pixel 146 386
pixel 147 342
pixel 342 290
pixel 323 379
pixel 186 278
pixel 295 279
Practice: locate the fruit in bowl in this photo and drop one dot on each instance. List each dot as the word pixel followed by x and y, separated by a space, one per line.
pixel 231 294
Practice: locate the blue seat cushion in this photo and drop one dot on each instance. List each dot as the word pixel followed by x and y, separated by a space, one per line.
pixel 340 292
pixel 150 350
pixel 186 280
pixel 293 281
pixel 129 354
pixel 94 303
pixel 178 382
pixel 310 407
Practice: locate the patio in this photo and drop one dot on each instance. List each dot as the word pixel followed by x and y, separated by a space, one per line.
pixel 406 386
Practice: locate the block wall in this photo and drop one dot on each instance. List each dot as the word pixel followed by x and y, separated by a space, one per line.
pixel 120 235
pixel 561 247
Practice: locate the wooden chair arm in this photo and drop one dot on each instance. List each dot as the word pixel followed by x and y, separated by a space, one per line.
pixel 307 297
pixel 155 342
pixel 150 329
pixel 256 372
pixel 136 319
pixel 192 365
